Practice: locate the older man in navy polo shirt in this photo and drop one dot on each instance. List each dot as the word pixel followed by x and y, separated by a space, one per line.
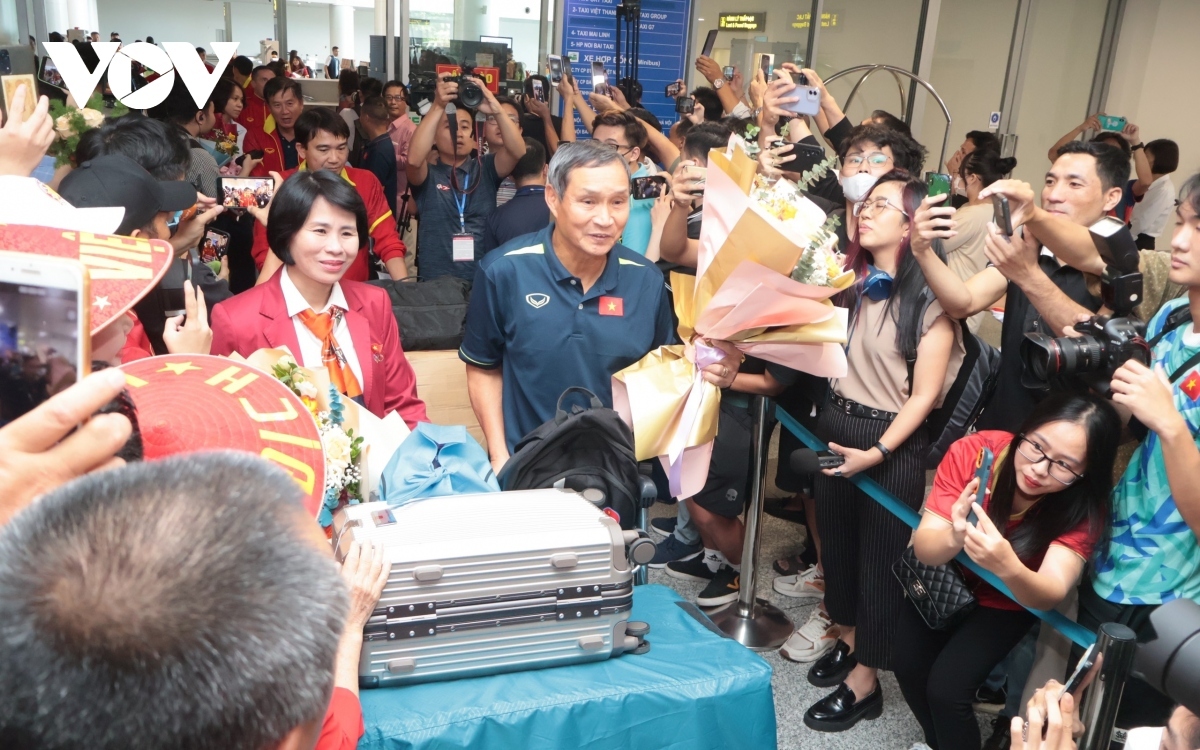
pixel 567 306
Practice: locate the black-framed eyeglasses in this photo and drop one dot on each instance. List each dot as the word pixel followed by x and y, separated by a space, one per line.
pixel 1034 454
pixel 622 150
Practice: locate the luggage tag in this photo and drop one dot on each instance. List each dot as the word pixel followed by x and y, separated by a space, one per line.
pixel 463 248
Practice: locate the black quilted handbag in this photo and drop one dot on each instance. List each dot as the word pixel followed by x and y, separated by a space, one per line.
pixel 938 592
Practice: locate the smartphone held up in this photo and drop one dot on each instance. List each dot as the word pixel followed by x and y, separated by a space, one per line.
pixel 45 329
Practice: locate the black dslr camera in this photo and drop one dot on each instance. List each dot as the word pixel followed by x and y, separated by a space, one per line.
pixel 1106 342
pixel 468 91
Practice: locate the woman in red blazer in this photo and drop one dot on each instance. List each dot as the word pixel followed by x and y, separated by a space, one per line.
pixel 316 225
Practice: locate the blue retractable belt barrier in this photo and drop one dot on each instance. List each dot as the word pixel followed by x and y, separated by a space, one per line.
pixel 1073 630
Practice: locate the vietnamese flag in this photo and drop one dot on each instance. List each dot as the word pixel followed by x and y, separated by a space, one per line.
pixel 612 306
pixel 1191 385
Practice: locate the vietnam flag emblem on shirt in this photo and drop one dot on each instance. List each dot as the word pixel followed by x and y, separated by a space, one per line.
pixel 1191 385
pixel 613 306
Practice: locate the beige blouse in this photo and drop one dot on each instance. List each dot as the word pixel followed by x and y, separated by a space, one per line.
pixel 877 374
pixel 964 251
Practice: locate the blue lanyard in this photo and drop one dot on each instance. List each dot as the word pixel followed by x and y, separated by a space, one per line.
pixel 460 200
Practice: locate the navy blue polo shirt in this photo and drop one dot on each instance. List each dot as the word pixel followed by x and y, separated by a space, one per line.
pixel 437 205
pixel 529 316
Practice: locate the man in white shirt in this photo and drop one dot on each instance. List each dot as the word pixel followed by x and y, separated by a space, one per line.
pixel 1153 190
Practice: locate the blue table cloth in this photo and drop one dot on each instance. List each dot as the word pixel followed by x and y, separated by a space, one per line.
pixel 693 690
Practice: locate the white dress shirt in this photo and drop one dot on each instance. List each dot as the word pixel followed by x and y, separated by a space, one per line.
pixel 310 354
pixel 1151 213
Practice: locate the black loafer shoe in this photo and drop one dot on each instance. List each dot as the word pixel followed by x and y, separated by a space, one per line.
pixel 832 668
pixel 838 711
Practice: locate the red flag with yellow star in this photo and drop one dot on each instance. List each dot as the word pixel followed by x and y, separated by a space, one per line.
pixel 1191 385
pixel 612 306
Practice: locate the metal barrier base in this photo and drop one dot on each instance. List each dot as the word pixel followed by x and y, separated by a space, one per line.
pixel 764 628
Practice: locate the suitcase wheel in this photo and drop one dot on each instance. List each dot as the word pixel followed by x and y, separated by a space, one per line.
pixel 642 649
pixel 637 629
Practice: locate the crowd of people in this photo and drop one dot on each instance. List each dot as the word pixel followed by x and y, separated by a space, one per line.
pixel 566 270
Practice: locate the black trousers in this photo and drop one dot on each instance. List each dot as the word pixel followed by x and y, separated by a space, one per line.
pixel 940 670
pixel 860 539
pixel 1141 705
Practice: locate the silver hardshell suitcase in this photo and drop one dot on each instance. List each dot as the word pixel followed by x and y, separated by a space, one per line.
pixel 496 582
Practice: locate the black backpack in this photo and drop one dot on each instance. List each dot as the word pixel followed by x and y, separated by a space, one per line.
pixel 582 449
pixel 969 394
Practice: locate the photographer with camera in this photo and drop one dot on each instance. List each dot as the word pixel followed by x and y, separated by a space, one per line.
pixel 456 194
pixel 1042 293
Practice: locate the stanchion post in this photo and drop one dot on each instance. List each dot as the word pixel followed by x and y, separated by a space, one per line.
pixel 1118 645
pixel 755 623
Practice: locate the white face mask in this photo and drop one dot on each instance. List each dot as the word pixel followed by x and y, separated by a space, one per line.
pixel 960 187
pixel 856 186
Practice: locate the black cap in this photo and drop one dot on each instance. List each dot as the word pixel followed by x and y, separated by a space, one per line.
pixel 116 180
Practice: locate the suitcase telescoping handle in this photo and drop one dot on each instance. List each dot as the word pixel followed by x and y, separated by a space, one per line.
pixel 560 415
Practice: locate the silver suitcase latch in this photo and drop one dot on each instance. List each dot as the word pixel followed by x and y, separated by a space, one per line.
pixel 406 621
pixel 578 602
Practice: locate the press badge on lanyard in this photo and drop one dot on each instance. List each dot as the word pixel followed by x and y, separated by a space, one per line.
pixel 462 245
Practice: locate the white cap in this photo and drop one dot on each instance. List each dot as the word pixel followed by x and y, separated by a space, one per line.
pixel 32 202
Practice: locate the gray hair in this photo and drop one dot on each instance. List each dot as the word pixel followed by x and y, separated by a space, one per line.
pixel 581 155
pixel 169 604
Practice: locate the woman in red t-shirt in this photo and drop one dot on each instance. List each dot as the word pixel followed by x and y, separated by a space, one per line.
pixel 1049 492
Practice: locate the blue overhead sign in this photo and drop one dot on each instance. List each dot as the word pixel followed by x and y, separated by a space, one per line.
pixel 590 34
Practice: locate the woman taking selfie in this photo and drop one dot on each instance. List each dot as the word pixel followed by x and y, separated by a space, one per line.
pixel 1044 512
pixel 317 225
pixel 876 420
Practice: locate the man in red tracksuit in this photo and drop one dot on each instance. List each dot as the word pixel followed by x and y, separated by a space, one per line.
pixel 277 138
pixel 255 111
pixel 321 138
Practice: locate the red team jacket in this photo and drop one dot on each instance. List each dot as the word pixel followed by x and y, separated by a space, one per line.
pixel 257 319
pixel 379 218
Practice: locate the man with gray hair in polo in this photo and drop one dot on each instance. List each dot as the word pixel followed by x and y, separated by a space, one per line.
pixel 566 306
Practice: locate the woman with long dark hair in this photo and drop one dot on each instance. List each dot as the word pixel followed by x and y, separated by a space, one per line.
pixel 903 353
pixel 1046 510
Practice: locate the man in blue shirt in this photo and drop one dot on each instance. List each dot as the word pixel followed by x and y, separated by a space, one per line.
pixel 526 212
pixel 456 193
pixel 568 306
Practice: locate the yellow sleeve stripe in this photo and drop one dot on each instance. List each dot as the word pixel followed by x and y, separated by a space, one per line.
pixel 377 221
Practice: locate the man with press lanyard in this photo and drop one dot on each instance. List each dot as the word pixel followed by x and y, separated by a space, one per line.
pixel 456 192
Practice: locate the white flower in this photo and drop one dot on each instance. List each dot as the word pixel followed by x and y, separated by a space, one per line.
pixel 337 446
pixel 92 118
pixel 307 389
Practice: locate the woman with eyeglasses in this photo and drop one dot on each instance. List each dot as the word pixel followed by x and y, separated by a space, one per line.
pixel 1045 510
pixel 902 354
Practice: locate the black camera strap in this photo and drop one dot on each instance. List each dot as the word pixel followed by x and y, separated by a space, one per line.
pixel 1181 315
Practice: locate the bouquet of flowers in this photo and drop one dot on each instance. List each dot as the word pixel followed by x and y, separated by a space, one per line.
pixel 343 449
pixel 72 122
pixel 768 265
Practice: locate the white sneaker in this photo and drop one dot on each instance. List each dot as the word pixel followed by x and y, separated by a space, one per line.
pixel 807 585
pixel 812 640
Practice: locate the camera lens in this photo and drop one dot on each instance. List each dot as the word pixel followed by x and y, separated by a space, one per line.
pixel 1047 358
pixel 471 94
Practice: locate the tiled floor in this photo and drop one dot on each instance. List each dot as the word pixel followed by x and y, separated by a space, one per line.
pixel 895 730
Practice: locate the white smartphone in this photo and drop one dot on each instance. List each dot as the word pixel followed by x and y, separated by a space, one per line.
pixel 556 68
pixel 45 329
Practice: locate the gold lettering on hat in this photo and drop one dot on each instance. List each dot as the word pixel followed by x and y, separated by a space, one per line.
pixel 280 437
pixel 133 381
pixel 286 415
pixel 103 255
pixel 300 471
pixel 229 375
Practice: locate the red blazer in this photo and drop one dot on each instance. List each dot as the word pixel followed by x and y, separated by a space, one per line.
pixel 379 218
pixel 257 319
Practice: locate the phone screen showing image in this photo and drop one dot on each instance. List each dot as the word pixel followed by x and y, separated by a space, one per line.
pixel 599 78
pixel 39 345
pixel 246 192
pixel 49 74
pixel 556 69
pixel 214 246
pixel 538 92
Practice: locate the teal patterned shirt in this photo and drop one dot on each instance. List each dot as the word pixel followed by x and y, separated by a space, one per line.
pixel 1154 557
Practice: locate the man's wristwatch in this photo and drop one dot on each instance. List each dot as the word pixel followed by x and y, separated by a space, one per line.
pixel 717 84
pixel 1135 147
